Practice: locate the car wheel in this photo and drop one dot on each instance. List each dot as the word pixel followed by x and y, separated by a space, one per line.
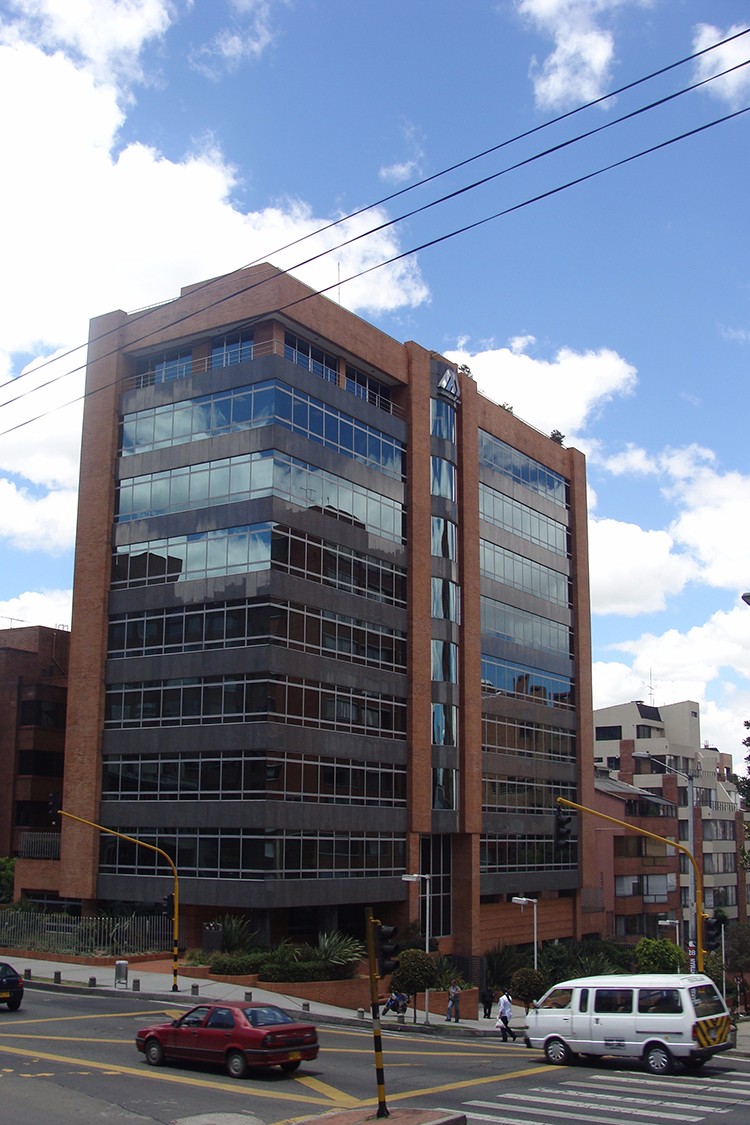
pixel 154 1052
pixel 557 1052
pixel 658 1059
pixel 236 1064
pixel 290 1067
pixel 15 1003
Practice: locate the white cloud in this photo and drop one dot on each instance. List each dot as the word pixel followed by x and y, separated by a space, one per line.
pixel 107 35
pixel 37 523
pixel 707 663
pixel 562 394
pixel 634 571
pixel 733 88
pixel 106 213
pixel 579 69
pixel 408 169
pixel 250 34
pixel 37 607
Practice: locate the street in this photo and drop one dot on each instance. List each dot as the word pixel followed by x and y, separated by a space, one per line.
pixel 70 1058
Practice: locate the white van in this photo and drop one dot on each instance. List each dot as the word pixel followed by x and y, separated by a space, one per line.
pixel 658 1017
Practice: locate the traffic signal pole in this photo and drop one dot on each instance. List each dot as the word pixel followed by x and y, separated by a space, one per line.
pixel 672 844
pixel 371 923
pixel 151 848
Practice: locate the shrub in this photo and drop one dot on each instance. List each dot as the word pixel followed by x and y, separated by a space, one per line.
pixel 415 973
pixel 339 949
pixel 502 962
pixel 527 985
pixel 300 971
pixel 236 935
pixel 446 972
pixel 237 964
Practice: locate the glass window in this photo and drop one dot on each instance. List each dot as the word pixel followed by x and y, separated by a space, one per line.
pixel 612 1001
pixel 443 478
pixel 557 998
pixel 443 419
pixel 444 538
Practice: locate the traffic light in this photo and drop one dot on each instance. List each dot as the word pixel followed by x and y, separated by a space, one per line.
pixel 712 928
pixel 169 906
pixel 54 807
pixel 386 949
pixel 562 828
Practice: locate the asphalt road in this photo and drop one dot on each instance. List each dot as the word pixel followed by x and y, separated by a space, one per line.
pixel 72 1058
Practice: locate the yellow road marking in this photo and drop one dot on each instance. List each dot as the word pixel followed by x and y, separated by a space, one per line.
pixel 337 1096
pixel 71 1039
pixel 99 1016
pixel 181 1080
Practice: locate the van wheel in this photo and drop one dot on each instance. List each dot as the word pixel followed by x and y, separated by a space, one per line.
pixel 557 1052
pixel 658 1059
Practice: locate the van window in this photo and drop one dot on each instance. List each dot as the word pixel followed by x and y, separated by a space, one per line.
pixel 706 1000
pixel 666 1001
pixel 583 1000
pixel 611 1000
pixel 558 998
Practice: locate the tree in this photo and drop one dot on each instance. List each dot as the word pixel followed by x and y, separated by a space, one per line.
pixel 416 972
pixel 7 865
pixel 659 955
pixel 557 437
pixel 527 985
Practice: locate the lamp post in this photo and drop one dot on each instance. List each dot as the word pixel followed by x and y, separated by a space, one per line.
pixel 694 906
pixel 416 878
pixel 671 922
pixel 521 901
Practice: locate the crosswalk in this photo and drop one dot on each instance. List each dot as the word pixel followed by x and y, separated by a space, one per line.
pixel 613 1099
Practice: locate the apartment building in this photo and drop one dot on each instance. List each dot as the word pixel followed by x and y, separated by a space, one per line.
pixel 33 693
pixel 659 749
pixel 330 627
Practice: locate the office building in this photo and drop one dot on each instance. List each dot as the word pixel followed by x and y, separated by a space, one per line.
pixel 330 627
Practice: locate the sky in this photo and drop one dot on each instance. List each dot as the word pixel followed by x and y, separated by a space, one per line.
pixel 583 249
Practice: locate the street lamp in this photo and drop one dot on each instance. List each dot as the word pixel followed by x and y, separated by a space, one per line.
pixel 694 906
pixel 521 901
pixel 671 922
pixel 427 926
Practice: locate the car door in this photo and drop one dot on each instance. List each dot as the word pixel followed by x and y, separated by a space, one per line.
pixel 184 1034
pixel 214 1035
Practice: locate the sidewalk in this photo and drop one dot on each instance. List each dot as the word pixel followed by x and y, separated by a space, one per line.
pixel 154 979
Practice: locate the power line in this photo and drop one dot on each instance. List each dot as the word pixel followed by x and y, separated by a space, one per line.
pixel 412 187
pixel 435 241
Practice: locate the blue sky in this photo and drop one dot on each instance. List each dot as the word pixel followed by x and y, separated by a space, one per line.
pixel 155 143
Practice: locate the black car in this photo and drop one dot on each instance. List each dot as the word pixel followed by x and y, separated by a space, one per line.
pixel 11 986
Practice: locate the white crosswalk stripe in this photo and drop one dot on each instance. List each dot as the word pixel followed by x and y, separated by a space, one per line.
pixel 613 1099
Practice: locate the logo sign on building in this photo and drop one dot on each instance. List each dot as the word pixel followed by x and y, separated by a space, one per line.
pixel 448 385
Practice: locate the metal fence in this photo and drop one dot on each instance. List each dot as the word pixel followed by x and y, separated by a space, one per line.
pixel 103 936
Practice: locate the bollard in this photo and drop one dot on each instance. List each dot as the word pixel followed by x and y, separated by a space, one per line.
pixel 136 984
pixel 401 1017
pixel 248 996
pixel 194 989
pixel 361 1013
pixel 57 977
pixel 92 982
pixel 305 1005
pixel 27 974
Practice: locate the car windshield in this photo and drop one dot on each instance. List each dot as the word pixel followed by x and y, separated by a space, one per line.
pixel 706 1000
pixel 266 1016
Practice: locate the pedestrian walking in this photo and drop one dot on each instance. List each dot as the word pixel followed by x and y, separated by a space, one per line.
pixel 488 999
pixel 454 1002
pixel 504 1016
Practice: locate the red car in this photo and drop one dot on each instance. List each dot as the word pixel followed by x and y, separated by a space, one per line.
pixel 235 1034
pixel 11 986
